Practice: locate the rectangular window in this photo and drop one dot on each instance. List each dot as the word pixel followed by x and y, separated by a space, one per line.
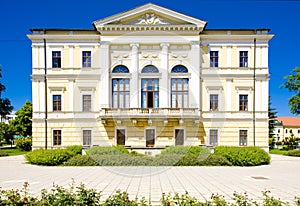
pixel 120 93
pixel 150 93
pixel 214 58
pixel 243 102
pixel 213 102
pixel 121 137
pixel 179 137
pixel 213 137
pixel 86 59
pixel 243 58
pixel 56 103
pixel 56 137
pixel 150 137
pixel 87 137
pixel 243 137
pixel 56 59
pixel 86 103
pixel 180 93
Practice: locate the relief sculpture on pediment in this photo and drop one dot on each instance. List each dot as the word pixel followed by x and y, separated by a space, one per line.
pixel 151 19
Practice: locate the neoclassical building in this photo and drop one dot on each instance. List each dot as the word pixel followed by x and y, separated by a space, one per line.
pixel 149 78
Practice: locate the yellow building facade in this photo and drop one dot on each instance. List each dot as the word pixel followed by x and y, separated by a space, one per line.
pixel 149 78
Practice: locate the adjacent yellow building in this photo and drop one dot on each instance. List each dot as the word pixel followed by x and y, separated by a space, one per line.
pixel 148 78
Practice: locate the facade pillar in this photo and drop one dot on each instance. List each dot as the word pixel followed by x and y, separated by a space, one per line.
pixel 134 81
pixel 164 93
pixel 194 83
pixel 105 86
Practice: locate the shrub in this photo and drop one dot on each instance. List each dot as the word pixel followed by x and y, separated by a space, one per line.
pixel 48 157
pixel 123 160
pixel 75 149
pixel 105 151
pixel 243 156
pixel 216 160
pixel 295 153
pixel 24 144
pixel 3 154
pixel 122 198
pixel 81 160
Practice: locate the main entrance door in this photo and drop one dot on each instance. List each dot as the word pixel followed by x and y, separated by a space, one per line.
pixel 121 137
pixel 179 137
pixel 150 137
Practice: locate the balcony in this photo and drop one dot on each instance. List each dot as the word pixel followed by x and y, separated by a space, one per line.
pixel 149 112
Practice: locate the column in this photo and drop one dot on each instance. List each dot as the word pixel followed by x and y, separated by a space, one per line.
pixel 164 93
pixel 104 91
pixel 194 83
pixel 134 81
pixel 71 96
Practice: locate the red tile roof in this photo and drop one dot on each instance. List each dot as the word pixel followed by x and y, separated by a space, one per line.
pixel 289 121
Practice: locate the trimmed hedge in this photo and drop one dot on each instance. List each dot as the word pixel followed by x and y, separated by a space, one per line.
pixel 3 154
pixel 49 157
pixel 75 149
pixel 81 160
pixel 294 153
pixel 243 156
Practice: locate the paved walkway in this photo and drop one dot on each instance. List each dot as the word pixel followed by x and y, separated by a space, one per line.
pixel 281 177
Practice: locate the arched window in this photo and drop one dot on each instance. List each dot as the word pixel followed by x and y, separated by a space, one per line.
pixel 150 69
pixel 179 69
pixel 120 69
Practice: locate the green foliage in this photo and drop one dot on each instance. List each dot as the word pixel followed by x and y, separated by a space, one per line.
pixel 121 149
pixel 293 85
pixel 24 144
pixel 291 142
pixel 3 154
pixel 123 160
pixel 122 198
pixel 272 121
pixel 216 160
pixel 243 156
pixel 75 149
pixel 81 196
pixel 5 105
pixel 81 160
pixel 294 153
pixel 22 125
pixel 105 151
pixel 49 157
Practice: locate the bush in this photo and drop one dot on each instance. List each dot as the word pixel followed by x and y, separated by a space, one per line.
pixel 75 149
pixel 116 150
pixel 24 144
pixel 123 160
pixel 294 153
pixel 81 160
pixel 48 157
pixel 243 156
pixel 3 154
pixel 216 160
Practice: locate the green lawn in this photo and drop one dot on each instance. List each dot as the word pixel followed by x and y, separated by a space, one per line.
pixel 278 151
pixel 12 151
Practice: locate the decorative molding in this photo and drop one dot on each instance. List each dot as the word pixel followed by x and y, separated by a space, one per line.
pixel 59 89
pixel 92 89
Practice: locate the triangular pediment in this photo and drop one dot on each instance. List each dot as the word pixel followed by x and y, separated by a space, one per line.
pixel 149 15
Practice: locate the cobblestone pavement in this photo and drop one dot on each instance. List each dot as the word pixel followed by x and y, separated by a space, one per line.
pixel 281 177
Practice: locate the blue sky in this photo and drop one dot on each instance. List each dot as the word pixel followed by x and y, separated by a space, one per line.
pixel 18 16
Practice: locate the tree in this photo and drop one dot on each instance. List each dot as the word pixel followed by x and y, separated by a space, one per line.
pixel 5 106
pixel 293 85
pixel 272 118
pixel 22 124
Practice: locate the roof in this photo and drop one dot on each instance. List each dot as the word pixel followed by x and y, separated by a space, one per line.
pixel 289 121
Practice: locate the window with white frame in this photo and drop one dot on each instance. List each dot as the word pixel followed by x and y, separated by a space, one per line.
pixel 243 102
pixel 86 102
pixel 86 59
pixel 56 59
pixel 86 137
pixel 213 102
pixel 214 58
pixel 243 58
pixel 213 137
pixel 56 137
pixel 243 136
pixel 56 102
